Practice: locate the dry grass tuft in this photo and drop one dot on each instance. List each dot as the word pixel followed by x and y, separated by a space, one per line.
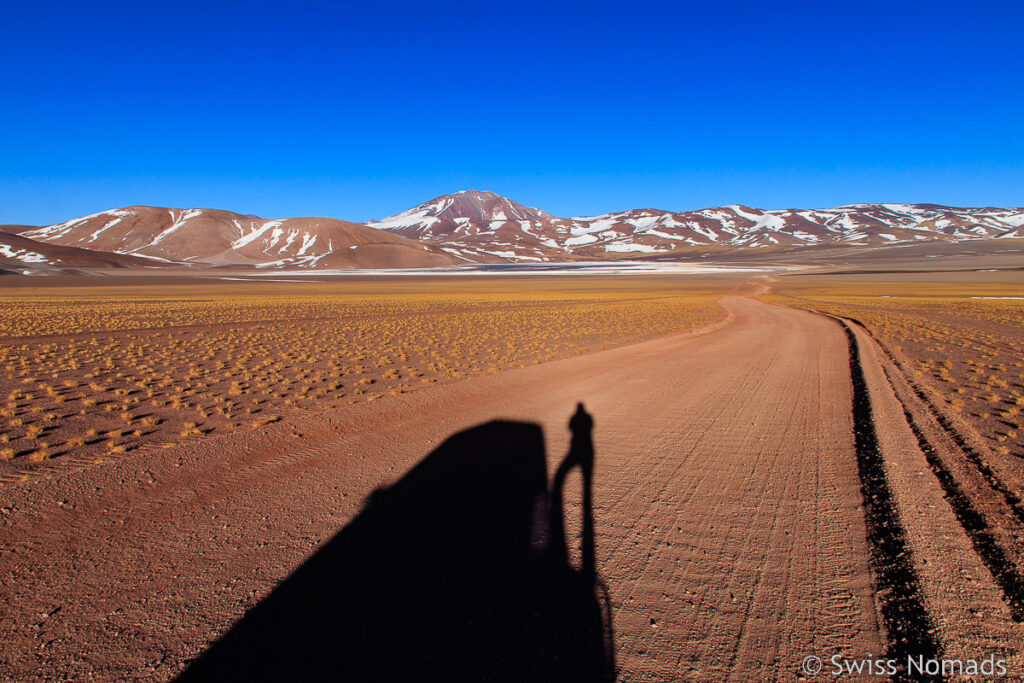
pixel 212 354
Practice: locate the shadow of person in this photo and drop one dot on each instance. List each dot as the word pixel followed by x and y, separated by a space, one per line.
pixel 457 572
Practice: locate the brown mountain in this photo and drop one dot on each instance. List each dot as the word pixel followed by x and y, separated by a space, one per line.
pixel 481 227
pixel 18 252
pixel 11 229
pixel 214 237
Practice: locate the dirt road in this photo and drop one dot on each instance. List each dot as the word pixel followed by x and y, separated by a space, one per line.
pixel 730 525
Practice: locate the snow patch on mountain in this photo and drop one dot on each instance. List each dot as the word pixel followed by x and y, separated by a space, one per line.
pixel 22 255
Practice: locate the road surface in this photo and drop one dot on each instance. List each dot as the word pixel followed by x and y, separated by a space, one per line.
pixel 730 526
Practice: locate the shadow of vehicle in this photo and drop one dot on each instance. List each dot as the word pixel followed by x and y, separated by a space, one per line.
pixel 458 572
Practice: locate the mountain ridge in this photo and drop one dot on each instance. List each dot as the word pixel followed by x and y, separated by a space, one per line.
pixel 214 237
pixel 473 226
pixel 658 231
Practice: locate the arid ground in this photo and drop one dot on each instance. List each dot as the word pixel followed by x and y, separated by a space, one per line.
pixel 228 479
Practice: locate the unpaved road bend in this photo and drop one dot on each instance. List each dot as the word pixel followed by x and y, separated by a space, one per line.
pixel 731 529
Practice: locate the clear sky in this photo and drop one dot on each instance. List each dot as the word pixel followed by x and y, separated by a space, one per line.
pixel 358 110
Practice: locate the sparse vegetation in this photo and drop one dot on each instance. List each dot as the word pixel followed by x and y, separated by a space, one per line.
pixel 967 349
pixel 131 368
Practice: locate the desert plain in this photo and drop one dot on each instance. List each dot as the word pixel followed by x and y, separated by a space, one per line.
pixel 636 477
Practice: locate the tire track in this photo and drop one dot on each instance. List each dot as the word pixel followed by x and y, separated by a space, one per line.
pixel 972 455
pixel 910 630
pixel 982 526
pixel 1005 572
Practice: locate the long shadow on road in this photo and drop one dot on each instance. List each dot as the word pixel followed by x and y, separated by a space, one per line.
pixel 458 572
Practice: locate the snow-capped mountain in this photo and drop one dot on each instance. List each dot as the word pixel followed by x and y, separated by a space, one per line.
pixel 445 214
pixel 476 226
pixel 213 237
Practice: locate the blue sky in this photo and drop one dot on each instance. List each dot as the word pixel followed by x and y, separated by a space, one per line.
pixel 358 111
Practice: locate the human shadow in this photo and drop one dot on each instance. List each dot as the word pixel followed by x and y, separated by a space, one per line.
pixel 460 571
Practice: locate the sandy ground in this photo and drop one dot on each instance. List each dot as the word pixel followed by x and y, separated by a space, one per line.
pixel 105 372
pixel 732 530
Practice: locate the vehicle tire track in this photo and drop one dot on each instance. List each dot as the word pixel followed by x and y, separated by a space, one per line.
pixel 909 629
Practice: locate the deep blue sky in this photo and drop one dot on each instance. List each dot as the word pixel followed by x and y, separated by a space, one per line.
pixel 360 110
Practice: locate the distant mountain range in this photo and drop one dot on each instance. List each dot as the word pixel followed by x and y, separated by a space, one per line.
pixel 473 224
pixel 475 227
